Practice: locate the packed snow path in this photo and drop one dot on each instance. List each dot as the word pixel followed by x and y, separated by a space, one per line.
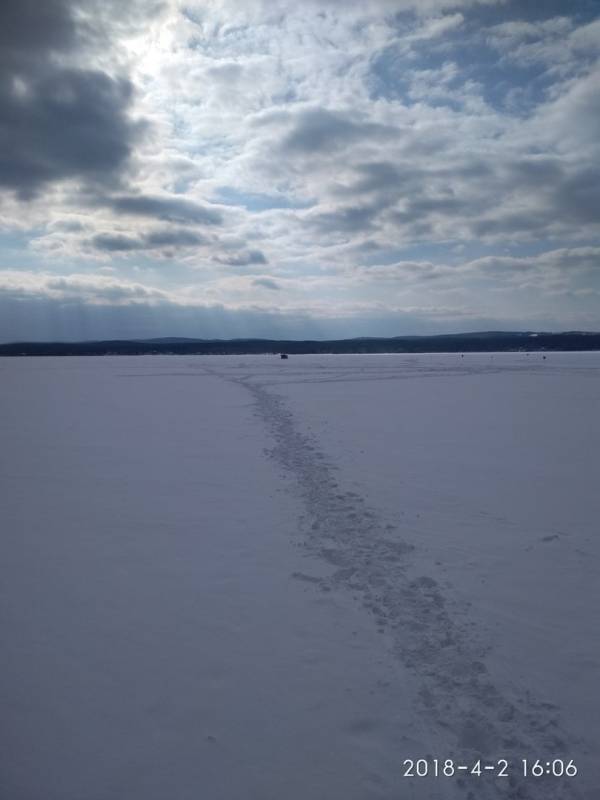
pixel 241 578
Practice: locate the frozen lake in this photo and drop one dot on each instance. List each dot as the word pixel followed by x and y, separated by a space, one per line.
pixel 246 578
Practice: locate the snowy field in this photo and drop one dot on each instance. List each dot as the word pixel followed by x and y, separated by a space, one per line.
pixel 241 578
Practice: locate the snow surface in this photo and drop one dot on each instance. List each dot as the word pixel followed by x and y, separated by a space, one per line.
pixel 241 577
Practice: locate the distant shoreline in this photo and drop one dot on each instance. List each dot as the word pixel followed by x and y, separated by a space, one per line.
pixel 484 342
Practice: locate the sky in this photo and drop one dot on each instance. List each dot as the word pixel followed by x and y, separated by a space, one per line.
pixel 275 168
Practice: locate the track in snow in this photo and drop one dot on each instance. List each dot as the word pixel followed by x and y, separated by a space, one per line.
pixel 369 559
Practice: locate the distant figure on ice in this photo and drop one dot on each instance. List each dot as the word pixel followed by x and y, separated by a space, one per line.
pixel 284 355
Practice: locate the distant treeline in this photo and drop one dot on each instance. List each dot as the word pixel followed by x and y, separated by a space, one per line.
pixel 451 343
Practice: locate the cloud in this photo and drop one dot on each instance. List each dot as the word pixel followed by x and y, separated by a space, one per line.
pixel 169 209
pixel 323 131
pixel 567 265
pixel 556 42
pixel 438 26
pixel 173 238
pixel 567 262
pixel 385 299
pixel 31 30
pixel 379 176
pixel 81 288
pixel 116 242
pixel 381 156
pixel 345 219
pixel 58 120
pixel 243 258
pixel 266 283
pixel 570 122
pixel 156 239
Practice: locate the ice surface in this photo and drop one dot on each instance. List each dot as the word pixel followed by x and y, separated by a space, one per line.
pixel 237 577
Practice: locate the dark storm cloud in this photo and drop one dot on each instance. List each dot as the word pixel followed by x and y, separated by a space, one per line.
pixel 173 238
pixel 30 30
pixel 243 259
pixel 403 194
pixel 346 220
pixel 536 172
pixel 448 205
pixel 154 240
pixel 67 225
pixel 579 198
pixel 323 131
pixel 169 209
pixel 113 243
pixel 507 223
pixel 522 197
pixel 57 122
pixel 380 176
pixel 70 124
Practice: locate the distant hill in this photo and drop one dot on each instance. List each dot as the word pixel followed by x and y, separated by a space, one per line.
pixel 485 341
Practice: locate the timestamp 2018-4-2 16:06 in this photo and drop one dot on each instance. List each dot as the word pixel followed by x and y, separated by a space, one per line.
pixel 502 768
